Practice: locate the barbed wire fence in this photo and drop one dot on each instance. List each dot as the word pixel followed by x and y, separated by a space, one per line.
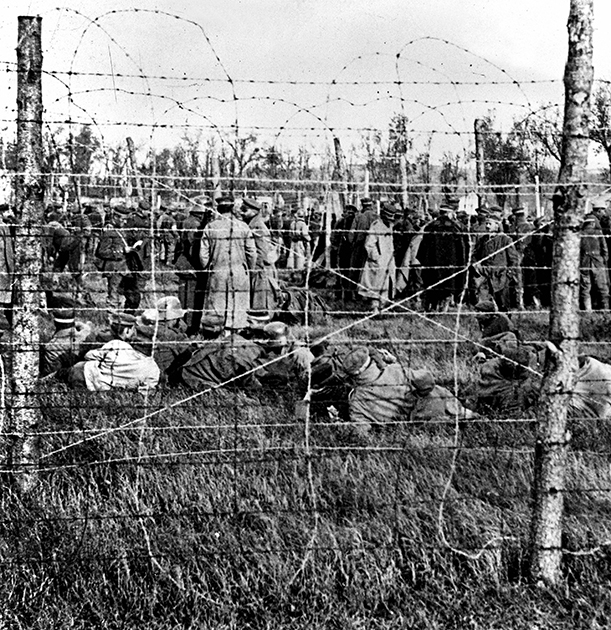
pixel 240 472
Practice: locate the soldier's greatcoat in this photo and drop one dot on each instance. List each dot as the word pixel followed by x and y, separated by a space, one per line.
pixel 378 276
pixel 264 277
pixel 228 253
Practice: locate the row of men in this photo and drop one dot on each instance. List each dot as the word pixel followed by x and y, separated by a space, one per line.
pixel 366 388
pixel 152 349
pixel 379 256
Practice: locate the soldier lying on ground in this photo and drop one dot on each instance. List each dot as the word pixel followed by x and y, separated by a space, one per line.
pixel 276 360
pixel 298 305
pixel 592 394
pixel 394 393
pixel 509 385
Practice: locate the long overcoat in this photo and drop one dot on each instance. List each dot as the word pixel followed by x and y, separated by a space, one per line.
pixel 264 277
pixel 228 253
pixel 377 279
pixel 498 261
pixel 299 251
pixel 357 237
pixel 443 254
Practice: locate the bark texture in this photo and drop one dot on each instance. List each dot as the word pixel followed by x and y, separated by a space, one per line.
pixel 561 365
pixel 29 212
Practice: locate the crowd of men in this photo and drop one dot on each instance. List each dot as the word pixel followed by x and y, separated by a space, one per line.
pixel 452 258
pixel 230 320
pixel 379 252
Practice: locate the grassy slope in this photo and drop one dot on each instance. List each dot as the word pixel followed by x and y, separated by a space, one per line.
pixel 224 512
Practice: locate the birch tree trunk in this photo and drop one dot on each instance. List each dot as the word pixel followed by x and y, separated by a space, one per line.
pixel 561 364
pixel 29 211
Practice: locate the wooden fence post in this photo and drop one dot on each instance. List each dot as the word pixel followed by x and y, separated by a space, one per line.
pixel 480 173
pixel 559 378
pixel 404 180
pixel 25 411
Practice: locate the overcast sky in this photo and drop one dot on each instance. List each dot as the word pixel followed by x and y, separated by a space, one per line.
pixel 353 51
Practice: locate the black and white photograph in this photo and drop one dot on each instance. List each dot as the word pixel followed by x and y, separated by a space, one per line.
pixel 305 315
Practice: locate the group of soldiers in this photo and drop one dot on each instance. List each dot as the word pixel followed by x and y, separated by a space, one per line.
pixel 444 259
pixel 225 253
pixel 376 256
pixel 231 320
pixel 451 257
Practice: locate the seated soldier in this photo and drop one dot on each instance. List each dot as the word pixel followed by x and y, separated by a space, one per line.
pixel 289 361
pixel 68 343
pixel 298 305
pixel 329 388
pixel 509 384
pixel 230 360
pixel 115 365
pixel 161 332
pixel 497 330
pixel 394 393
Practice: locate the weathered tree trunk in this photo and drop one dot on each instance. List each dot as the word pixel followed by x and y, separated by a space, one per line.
pixel 29 212
pixel 134 167
pixel 342 176
pixel 559 379
pixel 480 173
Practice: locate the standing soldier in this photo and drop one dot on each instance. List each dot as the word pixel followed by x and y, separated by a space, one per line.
pixel 443 255
pixel 191 277
pixel 341 253
pixel 276 226
pixel 537 268
pixel 228 254
pixel 594 275
pixel 110 256
pixel 166 230
pixel 96 220
pixel 520 229
pixel 377 281
pixel 299 253
pixel 599 210
pixel 265 291
pixel 360 228
pixel 496 263
pixel 137 230
pixel 81 229
pixel 64 247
